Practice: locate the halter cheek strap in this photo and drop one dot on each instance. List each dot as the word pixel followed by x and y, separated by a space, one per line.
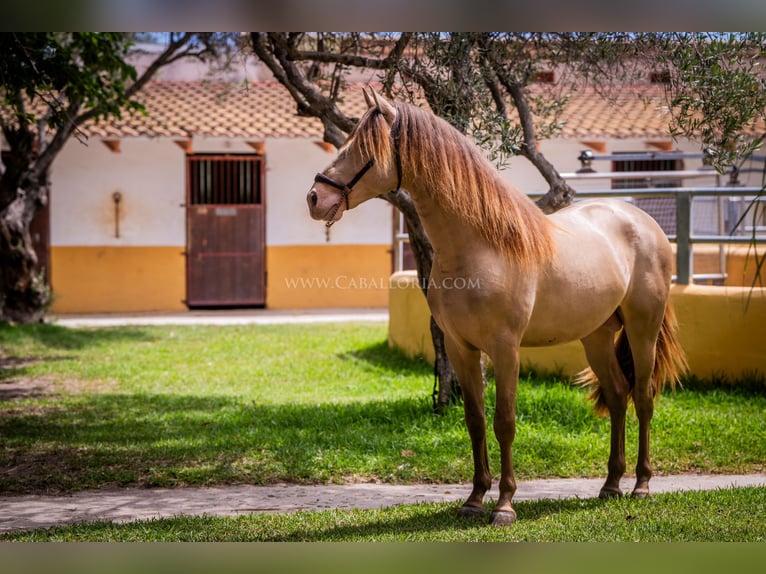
pixel 397 155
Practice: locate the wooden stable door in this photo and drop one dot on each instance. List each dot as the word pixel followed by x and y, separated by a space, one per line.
pixel 225 231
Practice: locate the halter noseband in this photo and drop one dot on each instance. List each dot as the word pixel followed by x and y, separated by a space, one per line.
pixel 347 188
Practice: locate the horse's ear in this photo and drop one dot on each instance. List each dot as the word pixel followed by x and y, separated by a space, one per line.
pixel 386 108
pixel 367 98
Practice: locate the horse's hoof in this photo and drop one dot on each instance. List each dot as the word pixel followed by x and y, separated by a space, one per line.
pixel 502 518
pixel 610 493
pixel 641 493
pixel 471 511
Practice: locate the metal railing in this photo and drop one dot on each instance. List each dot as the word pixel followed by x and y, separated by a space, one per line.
pixel 684 238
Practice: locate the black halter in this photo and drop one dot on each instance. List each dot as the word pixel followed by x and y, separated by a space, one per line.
pixel 346 188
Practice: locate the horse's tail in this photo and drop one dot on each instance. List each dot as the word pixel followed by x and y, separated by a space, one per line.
pixel 669 363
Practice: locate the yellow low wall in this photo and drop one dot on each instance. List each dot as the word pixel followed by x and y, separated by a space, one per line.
pixel 722 330
pixel 739 262
pixel 117 279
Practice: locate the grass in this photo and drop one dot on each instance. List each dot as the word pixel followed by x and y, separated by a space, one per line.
pixel 734 515
pixel 175 406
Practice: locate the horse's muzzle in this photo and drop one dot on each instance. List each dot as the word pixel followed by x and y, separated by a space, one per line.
pixel 317 210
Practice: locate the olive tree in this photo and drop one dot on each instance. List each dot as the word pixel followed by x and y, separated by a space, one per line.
pixel 51 84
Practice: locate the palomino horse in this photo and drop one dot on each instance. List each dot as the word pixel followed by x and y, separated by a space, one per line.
pixel 598 271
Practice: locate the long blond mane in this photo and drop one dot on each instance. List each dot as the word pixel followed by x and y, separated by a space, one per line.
pixel 456 174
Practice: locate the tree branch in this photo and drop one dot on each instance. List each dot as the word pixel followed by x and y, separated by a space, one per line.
pixel 311 101
pixel 48 152
pixel 169 55
pixel 560 193
pixel 351 60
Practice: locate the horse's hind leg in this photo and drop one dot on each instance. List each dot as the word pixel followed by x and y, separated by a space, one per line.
pixel 602 357
pixel 642 327
pixel 506 364
pixel 467 365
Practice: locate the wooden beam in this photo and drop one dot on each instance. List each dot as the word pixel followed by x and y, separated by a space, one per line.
pixel 600 147
pixel 259 147
pixel 185 145
pixel 666 145
pixel 113 145
pixel 326 146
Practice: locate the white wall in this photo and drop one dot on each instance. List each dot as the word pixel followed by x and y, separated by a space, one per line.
pixel 290 170
pixel 150 174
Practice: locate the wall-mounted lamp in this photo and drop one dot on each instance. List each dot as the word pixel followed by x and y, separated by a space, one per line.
pixel 117 198
pixel 586 159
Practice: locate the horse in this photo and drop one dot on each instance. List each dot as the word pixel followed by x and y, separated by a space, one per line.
pixel 598 271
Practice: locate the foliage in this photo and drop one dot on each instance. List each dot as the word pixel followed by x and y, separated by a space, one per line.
pixel 57 68
pixel 714 82
pixel 716 91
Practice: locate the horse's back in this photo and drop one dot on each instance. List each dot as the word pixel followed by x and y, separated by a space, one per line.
pixel 632 237
pixel 616 221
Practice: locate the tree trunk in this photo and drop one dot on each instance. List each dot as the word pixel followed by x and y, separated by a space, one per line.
pixel 273 49
pixel 24 295
pixel 446 385
pixel 560 193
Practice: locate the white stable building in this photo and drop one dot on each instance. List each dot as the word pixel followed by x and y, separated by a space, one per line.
pixel 201 202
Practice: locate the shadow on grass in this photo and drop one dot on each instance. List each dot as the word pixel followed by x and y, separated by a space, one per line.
pixel 381 356
pixel 749 383
pixel 92 441
pixel 149 440
pixel 56 337
pixel 390 525
pixel 428 517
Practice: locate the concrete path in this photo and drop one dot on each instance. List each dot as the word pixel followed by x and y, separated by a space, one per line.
pixel 124 505
pixel 223 317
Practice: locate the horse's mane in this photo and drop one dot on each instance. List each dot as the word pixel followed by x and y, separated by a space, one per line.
pixel 454 171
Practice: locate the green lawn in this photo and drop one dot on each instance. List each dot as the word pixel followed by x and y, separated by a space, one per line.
pixel 173 406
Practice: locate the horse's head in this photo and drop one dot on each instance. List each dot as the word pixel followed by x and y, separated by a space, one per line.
pixel 366 166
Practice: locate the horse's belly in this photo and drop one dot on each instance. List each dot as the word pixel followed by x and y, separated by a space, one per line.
pixel 555 324
pixel 574 305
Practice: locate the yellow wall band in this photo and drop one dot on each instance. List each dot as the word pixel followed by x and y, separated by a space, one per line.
pixel 134 279
pixel 327 276
pixel 117 279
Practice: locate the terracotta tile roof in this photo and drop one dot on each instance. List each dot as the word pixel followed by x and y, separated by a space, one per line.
pixel 636 112
pixel 185 109
pixel 266 110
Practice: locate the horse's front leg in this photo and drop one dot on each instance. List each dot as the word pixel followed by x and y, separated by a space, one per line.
pixel 467 364
pixel 506 385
